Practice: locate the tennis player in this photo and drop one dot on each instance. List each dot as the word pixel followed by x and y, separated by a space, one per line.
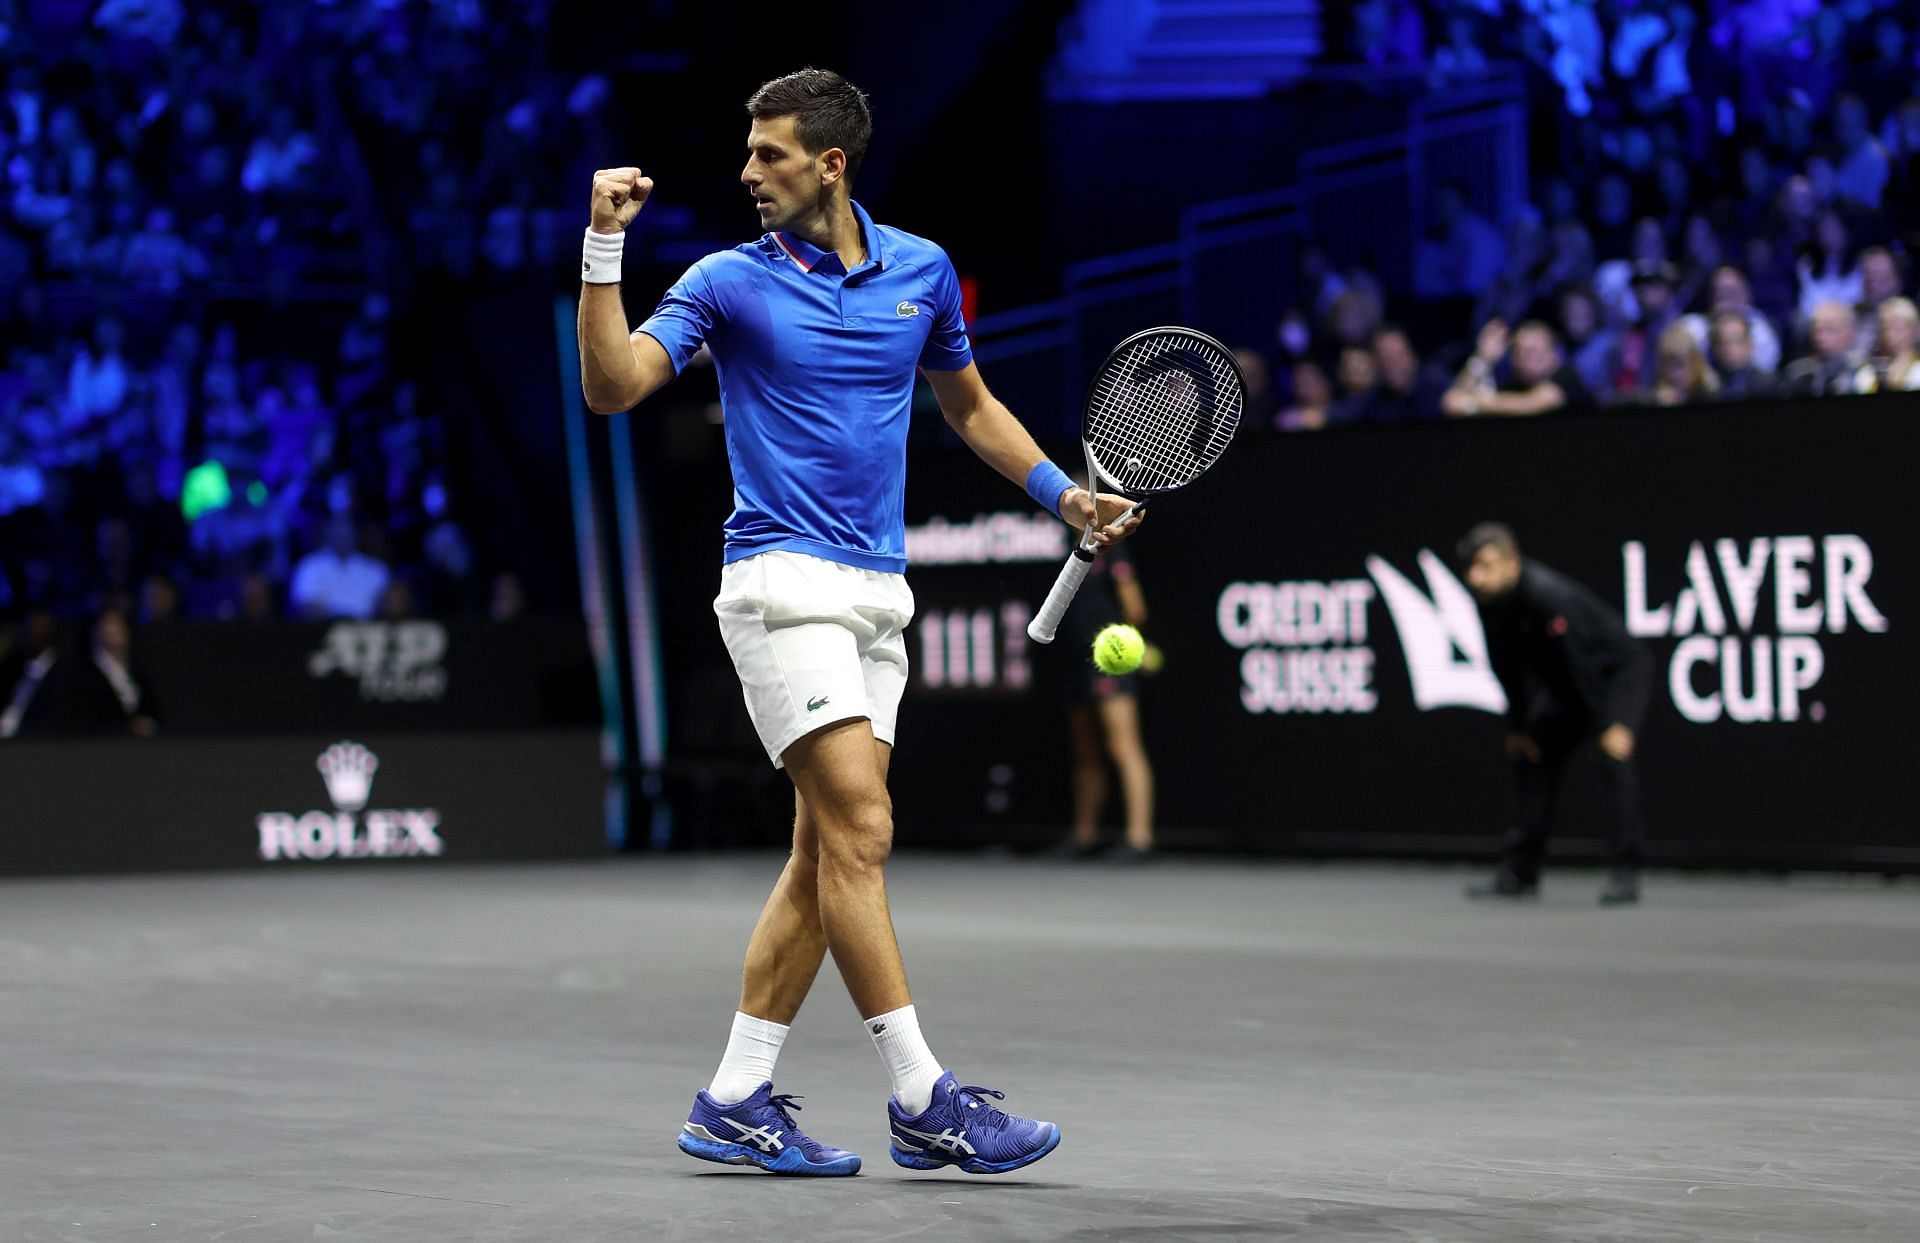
pixel 816 330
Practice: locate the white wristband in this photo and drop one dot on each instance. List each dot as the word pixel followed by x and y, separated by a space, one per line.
pixel 600 258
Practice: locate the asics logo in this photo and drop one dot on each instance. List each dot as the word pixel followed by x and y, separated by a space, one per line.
pixel 759 1136
pixel 948 1141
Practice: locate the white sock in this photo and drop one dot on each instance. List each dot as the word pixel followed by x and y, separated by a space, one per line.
pixel 748 1062
pixel 911 1063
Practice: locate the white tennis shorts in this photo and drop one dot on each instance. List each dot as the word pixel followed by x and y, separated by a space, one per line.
pixel 814 642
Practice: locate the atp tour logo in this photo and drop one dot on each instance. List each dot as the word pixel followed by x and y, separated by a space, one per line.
pixel 1304 644
pixel 395 662
pixel 347 768
pixel 1721 667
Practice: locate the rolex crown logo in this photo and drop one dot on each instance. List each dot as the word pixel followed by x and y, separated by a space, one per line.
pixel 348 768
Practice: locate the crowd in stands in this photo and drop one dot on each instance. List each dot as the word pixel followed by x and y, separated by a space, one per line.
pixel 215 218
pixel 212 218
pixel 1727 196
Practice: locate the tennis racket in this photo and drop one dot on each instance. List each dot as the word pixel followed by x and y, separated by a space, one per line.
pixel 1162 408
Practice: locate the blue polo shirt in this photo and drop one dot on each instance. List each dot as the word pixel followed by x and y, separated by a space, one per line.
pixel 816 368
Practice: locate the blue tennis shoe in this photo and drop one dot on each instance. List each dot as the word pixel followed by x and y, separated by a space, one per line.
pixel 760 1131
pixel 961 1128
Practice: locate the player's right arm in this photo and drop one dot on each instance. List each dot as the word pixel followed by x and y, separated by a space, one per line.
pixel 618 369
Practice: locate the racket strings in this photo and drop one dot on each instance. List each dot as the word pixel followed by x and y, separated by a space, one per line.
pixel 1162 412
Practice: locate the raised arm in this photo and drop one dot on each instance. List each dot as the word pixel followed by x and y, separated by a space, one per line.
pixel 618 369
pixel 999 439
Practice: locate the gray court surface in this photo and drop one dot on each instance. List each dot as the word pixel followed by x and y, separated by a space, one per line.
pixel 1232 1051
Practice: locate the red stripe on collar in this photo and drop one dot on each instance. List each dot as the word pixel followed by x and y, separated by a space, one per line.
pixel 792 253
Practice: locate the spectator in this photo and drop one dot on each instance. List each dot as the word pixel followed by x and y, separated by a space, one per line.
pixel 1459 59
pixel 22 485
pixel 1294 334
pixel 508 601
pixel 447 553
pixel 280 158
pixel 1389 32
pixel 1829 370
pixel 1613 216
pixel 1732 358
pixel 396 602
pixel 1312 399
pixel 159 600
pixel 1701 256
pixel 35 697
pixel 1880 279
pixel 1654 310
pixel 1259 379
pixel 1463 253
pixel 1512 292
pixel 1569 255
pixel 113 695
pixel 1902 138
pixel 1647 249
pixel 1886 81
pixel 1731 294
pixel 1406 391
pixel 159 259
pixel 1681 373
pixel 1537 381
pixel 336 580
pixel 1593 348
pixel 257 599
pixel 1894 367
pixel 1769 273
pixel 98 377
pixel 1861 177
pixel 1353 317
pixel 1359 377
pixel 1826 271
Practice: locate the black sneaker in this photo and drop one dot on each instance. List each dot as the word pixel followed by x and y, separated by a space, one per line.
pixel 1505 885
pixel 1622 889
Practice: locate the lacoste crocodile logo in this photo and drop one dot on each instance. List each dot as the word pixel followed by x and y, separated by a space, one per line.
pixel 817 703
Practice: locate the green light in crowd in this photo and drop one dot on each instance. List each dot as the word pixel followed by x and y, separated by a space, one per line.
pixel 257 492
pixel 204 488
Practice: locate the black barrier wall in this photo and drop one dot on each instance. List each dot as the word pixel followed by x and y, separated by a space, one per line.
pixel 81 805
pixel 423 673
pixel 1326 687
pixel 325 745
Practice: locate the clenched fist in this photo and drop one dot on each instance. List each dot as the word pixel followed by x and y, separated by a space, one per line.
pixel 618 194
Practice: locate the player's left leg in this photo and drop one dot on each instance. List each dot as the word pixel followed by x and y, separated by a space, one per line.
pixel 941 1122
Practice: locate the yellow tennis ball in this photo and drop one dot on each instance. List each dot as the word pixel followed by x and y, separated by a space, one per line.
pixel 1118 649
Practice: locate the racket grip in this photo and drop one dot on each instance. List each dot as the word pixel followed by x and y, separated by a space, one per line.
pixel 1047 621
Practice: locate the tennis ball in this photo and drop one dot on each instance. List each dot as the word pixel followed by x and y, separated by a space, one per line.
pixel 1118 649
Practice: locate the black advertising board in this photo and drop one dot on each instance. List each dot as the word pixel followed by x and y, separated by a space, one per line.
pixel 1326 688
pixel 299 801
pixel 421 673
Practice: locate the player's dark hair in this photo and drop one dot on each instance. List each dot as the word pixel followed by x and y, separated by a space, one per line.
pixel 1487 535
pixel 827 110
